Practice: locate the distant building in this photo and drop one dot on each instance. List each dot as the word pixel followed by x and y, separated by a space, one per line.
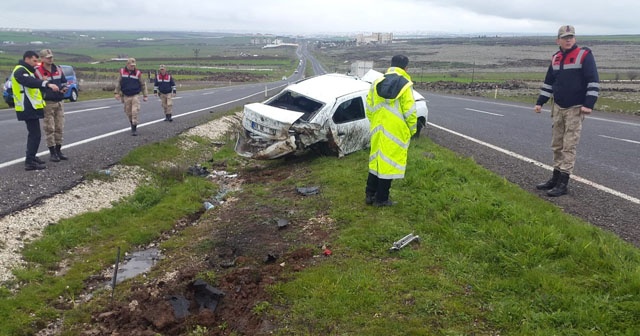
pixel 374 38
pixel 359 68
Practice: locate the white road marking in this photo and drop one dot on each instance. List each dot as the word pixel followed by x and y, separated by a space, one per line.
pixel 485 112
pixel 545 110
pixel 90 109
pixel 540 164
pixel 620 139
pixel 81 142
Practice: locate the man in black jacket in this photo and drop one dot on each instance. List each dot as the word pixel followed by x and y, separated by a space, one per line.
pixel 29 104
pixel 572 80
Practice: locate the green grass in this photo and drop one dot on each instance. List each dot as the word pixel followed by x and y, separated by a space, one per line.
pixel 89 242
pixel 492 258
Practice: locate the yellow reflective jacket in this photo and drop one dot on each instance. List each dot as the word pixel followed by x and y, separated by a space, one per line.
pixel 21 93
pixel 391 110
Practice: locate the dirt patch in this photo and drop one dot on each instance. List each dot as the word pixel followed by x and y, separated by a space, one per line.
pixel 248 247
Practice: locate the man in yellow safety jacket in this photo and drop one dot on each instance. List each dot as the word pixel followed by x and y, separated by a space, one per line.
pixel 29 104
pixel 391 111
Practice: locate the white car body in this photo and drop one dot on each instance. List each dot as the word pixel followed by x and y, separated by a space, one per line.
pixel 326 110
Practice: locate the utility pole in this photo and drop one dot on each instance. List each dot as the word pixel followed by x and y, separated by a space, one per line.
pixel 196 52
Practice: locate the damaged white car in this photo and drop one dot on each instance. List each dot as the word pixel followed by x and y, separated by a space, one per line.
pixel 326 112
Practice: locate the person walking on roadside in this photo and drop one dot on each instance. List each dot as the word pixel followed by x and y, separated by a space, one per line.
pixel 53 123
pixel 165 88
pixel 392 114
pixel 572 80
pixel 29 105
pixel 128 88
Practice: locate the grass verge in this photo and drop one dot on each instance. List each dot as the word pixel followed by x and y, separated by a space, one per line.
pixel 492 258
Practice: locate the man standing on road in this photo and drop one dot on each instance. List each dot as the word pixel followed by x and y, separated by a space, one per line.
pixel 572 80
pixel 53 124
pixel 128 88
pixel 391 110
pixel 29 104
pixel 165 88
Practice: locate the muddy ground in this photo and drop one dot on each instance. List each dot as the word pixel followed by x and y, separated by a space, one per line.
pixel 247 247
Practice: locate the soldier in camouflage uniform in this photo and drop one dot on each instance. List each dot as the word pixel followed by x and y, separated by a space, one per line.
pixel 572 80
pixel 53 123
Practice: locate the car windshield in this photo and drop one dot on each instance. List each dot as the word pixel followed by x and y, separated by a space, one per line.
pixel 68 71
pixel 292 101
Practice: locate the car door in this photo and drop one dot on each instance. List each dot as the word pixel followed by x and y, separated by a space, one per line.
pixel 349 125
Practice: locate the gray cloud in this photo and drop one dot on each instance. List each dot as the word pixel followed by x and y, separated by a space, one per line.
pixel 317 16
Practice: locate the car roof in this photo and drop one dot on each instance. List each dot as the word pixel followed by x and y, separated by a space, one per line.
pixel 328 87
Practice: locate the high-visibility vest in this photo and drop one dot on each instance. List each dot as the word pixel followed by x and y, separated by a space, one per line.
pixel 392 123
pixel 20 92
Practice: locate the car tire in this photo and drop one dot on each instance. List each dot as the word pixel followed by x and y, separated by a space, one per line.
pixel 74 95
pixel 420 126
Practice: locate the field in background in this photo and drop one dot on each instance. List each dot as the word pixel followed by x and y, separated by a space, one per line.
pixel 195 60
pixel 516 66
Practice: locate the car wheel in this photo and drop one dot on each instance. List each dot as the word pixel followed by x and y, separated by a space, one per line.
pixel 420 125
pixel 74 95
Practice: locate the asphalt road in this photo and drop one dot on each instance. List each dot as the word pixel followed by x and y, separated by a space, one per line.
pixel 97 135
pixel 608 154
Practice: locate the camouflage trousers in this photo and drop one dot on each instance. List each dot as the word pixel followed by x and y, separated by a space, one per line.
pixel 132 108
pixel 53 123
pixel 567 125
pixel 167 102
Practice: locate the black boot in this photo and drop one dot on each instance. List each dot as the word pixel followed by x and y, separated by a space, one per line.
pixel 551 183
pixel 60 155
pixel 32 164
pixel 169 117
pixel 53 155
pixel 369 198
pixel 133 130
pixel 37 159
pixel 561 188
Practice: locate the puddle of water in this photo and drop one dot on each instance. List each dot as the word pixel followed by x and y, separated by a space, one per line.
pixel 137 263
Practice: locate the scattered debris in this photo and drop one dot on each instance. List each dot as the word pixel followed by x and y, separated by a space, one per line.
pixel 208 205
pixel 180 306
pixel 308 191
pixel 198 170
pixel 404 242
pixel 282 223
pixel 270 259
pixel 207 296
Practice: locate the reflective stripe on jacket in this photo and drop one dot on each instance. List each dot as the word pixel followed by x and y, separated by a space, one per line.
pixel 55 76
pixel 164 84
pixel 391 111
pixel 572 79
pixel 20 92
pixel 131 83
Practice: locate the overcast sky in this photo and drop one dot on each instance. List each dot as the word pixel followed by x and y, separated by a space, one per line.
pixel 327 16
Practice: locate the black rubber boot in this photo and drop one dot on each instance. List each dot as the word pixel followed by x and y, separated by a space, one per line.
pixel 551 183
pixel 562 188
pixel 60 155
pixel 53 155
pixel 169 117
pixel 31 164
pixel 133 130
